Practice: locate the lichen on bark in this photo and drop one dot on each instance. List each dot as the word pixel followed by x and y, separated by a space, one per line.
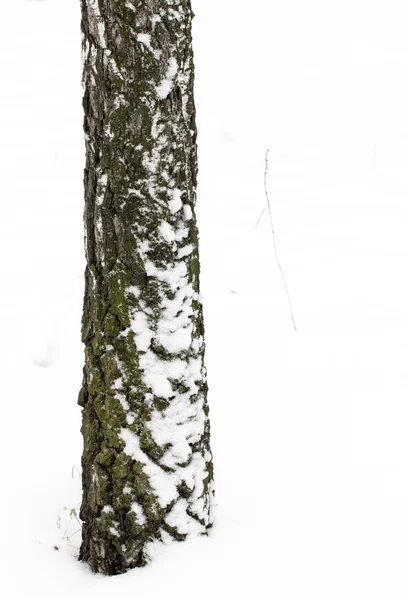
pixel 147 464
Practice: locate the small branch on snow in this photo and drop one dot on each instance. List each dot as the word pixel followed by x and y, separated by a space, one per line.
pixel 260 216
pixel 268 207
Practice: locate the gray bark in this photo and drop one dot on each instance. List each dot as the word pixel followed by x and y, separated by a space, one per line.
pixel 147 464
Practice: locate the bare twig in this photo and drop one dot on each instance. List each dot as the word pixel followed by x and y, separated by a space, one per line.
pixel 68 537
pixel 260 216
pixel 73 514
pixel 268 206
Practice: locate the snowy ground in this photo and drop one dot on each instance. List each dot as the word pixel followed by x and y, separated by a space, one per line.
pixel 309 427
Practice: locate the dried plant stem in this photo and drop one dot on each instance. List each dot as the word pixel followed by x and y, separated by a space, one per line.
pixel 274 239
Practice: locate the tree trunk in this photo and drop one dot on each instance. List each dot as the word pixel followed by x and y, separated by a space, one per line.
pixel 147 465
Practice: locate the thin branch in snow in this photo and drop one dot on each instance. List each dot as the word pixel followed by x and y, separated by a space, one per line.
pixel 73 514
pixel 68 537
pixel 260 216
pixel 268 207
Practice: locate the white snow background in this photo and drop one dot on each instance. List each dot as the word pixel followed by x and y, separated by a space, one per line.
pixel 310 428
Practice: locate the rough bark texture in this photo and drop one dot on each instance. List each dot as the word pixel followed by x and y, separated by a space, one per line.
pixel 147 465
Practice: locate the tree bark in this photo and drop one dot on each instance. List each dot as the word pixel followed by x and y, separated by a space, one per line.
pixel 146 466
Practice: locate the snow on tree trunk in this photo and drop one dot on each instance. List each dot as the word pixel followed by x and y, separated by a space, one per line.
pixel 147 464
